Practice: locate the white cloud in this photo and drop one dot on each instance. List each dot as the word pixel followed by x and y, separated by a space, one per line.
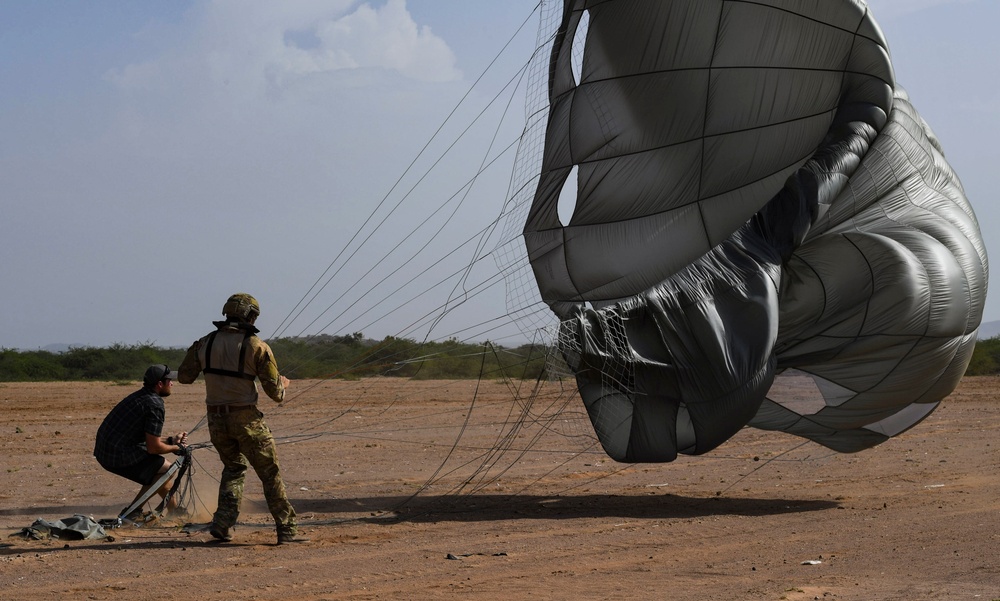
pixel 275 88
pixel 385 38
pixel 257 48
pixel 292 117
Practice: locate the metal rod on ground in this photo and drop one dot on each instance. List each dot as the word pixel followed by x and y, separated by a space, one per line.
pixel 155 486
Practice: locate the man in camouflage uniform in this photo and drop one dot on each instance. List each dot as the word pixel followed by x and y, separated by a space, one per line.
pixel 232 359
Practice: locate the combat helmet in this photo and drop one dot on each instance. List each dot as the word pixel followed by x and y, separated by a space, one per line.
pixel 242 306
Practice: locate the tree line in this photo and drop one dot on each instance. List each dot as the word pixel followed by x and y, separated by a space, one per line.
pixel 325 356
pixel 349 357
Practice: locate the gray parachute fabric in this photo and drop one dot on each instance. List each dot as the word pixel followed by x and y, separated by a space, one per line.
pixel 765 231
pixel 77 527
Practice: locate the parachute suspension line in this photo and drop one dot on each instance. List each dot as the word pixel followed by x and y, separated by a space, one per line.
pixel 426 290
pixel 186 492
pixel 413 257
pixel 488 232
pixel 555 409
pixel 563 398
pixel 560 405
pixel 299 307
pixel 201 422
pixel 385 362
pixel 304 427
pixel 499 321
pixel 508 434
pixel 413 231
pixel 309 430
pixel 430 314
pixel 360 362
pixel 483 457
pixel 492 456
pixel 527 410
pixel 483 287
pixel 760 467
pixel 505 441
pixel 183 489
pixel 465 424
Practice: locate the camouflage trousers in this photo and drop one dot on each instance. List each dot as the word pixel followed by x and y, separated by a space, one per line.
pixel 240 438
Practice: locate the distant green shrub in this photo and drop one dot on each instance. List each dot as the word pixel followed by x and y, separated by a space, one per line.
pixel 30 366
pixel 115 363
pixel 985 358
pixel 346 357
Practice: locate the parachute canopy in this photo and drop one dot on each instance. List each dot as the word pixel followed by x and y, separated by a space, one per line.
pixel 764 230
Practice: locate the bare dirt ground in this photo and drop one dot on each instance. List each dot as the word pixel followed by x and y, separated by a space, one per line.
pixel 427 490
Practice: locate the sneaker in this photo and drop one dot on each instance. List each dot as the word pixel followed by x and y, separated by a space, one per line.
pixel 135 516
pixel 220 533
pixel 289 538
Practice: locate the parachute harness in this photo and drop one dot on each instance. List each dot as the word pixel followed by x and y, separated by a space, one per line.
pixel 241 373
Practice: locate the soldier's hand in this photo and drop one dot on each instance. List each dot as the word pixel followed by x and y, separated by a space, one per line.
pixel 284 381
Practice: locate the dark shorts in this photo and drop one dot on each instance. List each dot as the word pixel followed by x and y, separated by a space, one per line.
pixel 143 472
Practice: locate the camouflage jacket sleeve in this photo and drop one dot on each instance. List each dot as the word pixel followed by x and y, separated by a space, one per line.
pixel 190 366
pixel 267 372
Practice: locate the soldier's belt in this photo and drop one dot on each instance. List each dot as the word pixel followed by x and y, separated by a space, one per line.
pixel 224 409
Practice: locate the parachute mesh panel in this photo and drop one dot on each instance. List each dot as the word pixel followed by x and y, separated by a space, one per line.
pixel 523 301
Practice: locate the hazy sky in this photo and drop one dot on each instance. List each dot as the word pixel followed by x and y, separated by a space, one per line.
pixel 157 156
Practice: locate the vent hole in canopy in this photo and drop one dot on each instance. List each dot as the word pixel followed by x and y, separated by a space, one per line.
pixel 567 198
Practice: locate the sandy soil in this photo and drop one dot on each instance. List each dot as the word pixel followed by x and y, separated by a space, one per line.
pixel 433 490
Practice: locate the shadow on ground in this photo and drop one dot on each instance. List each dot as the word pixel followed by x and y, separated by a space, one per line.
pixel 490 507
